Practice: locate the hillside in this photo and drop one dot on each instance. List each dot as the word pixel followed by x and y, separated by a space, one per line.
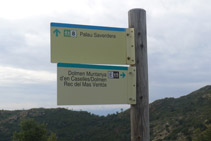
pixel 183 118
pixel 69 125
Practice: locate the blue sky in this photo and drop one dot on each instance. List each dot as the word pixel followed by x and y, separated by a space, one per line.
pixel 178 33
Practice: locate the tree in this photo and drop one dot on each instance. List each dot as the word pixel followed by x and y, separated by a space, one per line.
pixel 52 137
pixel 205 136
pixel 33 131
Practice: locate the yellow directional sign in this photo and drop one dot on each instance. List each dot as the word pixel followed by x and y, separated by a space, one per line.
pixel 83 84
pixel 91 44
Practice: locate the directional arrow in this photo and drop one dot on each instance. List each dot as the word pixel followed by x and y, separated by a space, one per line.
pixel 123 75
pixel 57 32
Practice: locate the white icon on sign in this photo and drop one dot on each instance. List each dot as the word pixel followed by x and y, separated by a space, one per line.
pixel 110 74
pixel 73 33
pixel 113 74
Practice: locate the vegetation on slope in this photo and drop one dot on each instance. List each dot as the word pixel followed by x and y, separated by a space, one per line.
pixel 186 118
pixel 182 118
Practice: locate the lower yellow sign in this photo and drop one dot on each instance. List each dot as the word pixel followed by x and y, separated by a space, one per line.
pixel 83 84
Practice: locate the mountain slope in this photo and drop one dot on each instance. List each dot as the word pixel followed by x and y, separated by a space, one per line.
pixel 69 125
pixel 183 118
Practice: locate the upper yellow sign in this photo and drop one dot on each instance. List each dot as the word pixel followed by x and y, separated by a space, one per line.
pixel 91 44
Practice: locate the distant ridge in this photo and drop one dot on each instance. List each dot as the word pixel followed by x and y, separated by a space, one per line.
pixel 181 118
pixel 186 118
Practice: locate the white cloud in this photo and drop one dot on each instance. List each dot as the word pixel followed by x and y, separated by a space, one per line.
pixel 18 106
pixel 178 42
pixel 11 76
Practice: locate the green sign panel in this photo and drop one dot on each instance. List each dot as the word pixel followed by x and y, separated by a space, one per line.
pixel 91 44
pixel 83 84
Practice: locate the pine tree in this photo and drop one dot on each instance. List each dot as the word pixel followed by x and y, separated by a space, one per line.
pixel 33 131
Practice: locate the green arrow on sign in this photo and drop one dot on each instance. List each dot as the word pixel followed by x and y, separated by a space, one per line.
pixel 57 32
pixel 123 75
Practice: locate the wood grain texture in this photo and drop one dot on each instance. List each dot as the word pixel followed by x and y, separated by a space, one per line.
pixel 140 112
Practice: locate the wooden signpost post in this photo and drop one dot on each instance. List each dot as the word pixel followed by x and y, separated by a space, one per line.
pixel 139 112
pixel 78 48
